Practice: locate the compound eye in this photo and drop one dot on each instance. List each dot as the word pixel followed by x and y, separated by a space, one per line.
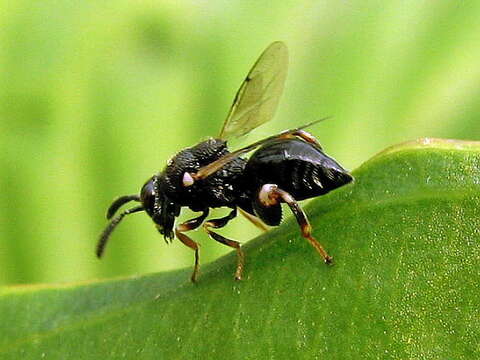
pixel 187 180
pixel 147 191
pixel 147 196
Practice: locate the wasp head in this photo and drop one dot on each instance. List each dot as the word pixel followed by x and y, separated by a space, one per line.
pixel 158 206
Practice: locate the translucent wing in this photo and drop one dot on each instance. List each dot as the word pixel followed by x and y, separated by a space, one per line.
pixel 213 167
pixel 257 99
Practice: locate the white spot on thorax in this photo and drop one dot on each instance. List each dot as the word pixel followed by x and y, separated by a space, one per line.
pixel 187 179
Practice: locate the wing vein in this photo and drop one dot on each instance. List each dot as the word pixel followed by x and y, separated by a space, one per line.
pixel 257 99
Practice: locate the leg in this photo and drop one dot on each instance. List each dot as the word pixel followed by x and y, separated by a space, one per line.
pixel 270 195
pixel 254 220
pixel 219 223
pixel 187 226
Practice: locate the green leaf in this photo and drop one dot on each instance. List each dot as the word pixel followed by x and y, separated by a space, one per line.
pixel 405 284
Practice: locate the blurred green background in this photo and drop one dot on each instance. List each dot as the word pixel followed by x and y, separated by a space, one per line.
pixel 96 96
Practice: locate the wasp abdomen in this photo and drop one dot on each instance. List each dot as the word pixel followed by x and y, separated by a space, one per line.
pixel 298 167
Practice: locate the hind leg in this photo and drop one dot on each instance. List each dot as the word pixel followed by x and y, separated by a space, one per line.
pixel 271 195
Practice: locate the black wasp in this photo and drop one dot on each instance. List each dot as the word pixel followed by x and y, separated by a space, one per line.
pixel 285 168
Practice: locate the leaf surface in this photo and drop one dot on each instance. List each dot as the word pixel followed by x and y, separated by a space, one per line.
pixel 405 284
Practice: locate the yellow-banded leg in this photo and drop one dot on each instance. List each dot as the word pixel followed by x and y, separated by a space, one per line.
pixel 271 194
pixel 187 226
pixel 219 223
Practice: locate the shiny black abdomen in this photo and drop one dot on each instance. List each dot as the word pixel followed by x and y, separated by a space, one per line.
pixel 300 168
